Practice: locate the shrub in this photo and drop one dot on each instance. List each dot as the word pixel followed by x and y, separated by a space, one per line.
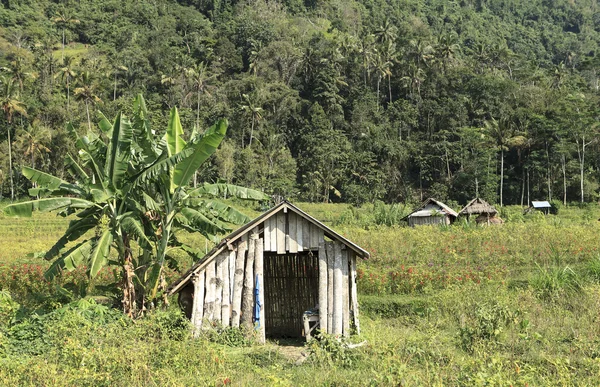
pixel 553 283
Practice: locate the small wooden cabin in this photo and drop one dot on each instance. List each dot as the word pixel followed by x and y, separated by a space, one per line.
pixel 432 212
pixel 276 273
pixel 485 213
pixel 542 206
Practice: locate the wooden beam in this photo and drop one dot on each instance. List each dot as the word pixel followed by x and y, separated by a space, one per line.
pixel 225 301
pixel 198 302
pixel 305 234
pixel 280 233
pixel 322 288
pixel 354 293
pixel 219 262
pixel 248 291
pixel 338 284
pixel 330 264
pixel 273 220
pixel 345 294
pixel 232 255
pixel 259 272
pixel 238 284
pixel 267 234
pixel 211 288
pixel 299 232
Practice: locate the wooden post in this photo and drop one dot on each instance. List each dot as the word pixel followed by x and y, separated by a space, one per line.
pixel 238 284
pixel 322 288
pixel 353 293
pixel 273 220
pixel 225 306
pixel 198 302
pixel 330 261
pixel 211 287
pixel 293 232
pixel 231 277
pixel 220 260
pixel 345 295
pixel 338 284
pixel 305 234
pixel 259 271
pixel 248 292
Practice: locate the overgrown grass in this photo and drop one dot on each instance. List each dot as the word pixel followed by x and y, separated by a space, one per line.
pixel 462 305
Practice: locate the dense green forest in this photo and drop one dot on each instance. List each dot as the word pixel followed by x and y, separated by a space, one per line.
pixel 337 100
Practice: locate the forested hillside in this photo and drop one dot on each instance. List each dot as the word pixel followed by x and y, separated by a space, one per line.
pixel 328 100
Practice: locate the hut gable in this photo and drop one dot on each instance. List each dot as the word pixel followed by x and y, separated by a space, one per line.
pixel 432 212
pixel 478 206
pixel 270 272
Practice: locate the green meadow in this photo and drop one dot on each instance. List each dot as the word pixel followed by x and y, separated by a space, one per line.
pixel 515 305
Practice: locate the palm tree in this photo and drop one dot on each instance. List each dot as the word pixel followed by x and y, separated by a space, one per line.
pixel 33 140
pixel 413 79
pixel 255 113
pixel 67 73
pixel 447 47
pixel 116 72
pixel 86 92
pixel 383 69
pixel 200 79
pixel 63 19
pixel 10 105
pixel 386 33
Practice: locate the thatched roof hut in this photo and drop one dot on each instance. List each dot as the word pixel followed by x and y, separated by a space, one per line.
pixel 432 212
pixel 284 273
pixel 485 213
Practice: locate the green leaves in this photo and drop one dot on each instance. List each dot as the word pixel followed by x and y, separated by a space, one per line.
pixel 99 256
pixel 70 260
pixel 228 190
pixel 25 209
pixel 203 149
pixel 119 151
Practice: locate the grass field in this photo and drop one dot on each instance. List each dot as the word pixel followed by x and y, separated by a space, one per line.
pixel 462 305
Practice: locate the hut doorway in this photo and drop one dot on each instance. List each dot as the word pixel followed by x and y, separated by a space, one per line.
pixel 291 284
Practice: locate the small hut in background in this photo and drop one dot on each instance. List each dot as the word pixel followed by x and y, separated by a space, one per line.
pixel 432 212
pixel 542 206
pixel 485 213
pixel 284 273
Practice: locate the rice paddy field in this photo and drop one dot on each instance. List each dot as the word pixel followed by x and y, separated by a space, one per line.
pixel 516 305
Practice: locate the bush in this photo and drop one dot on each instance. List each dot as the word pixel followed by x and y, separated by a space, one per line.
pixel 553 283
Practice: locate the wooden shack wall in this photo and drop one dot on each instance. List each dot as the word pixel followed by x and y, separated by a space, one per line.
pixel 428 220
pixel 282 233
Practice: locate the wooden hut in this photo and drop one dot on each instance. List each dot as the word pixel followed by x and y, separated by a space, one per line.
pixel 542 206
pixel 284 273
pixel 432 212
pixel 485 213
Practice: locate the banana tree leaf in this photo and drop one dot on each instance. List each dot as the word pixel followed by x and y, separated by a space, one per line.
pixel 220 210
pixel 143 136
pixel 199 221
pixel 99 256
pixel 153 279
pixel 75 169
pixel 229 190
pixel 48 182
pixel 77 228
pixel 173 136
pixel 70 260
pixel 118 151
pixel 104 124
pixel 161 166
pixel 134 227
pixel 203 149
pixel 25 209
pixel 196 254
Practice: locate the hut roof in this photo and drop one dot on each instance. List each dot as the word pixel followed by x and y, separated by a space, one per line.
pixel 478 206
pixel 543 204
pixel 245 229
pixel 422 211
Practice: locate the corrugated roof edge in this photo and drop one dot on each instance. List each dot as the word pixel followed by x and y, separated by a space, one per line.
pixel 234 236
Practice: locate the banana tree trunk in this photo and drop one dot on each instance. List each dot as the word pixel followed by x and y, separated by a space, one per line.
pixel 129 305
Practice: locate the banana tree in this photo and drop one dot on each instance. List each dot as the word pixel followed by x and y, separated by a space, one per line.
pixel 177 207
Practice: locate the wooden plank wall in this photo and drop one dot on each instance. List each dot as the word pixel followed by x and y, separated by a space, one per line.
pixel 231 276
pixel 287 232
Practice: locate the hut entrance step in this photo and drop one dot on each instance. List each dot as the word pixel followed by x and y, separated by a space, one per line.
pixel 291 284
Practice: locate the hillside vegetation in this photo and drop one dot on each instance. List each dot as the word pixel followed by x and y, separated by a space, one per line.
pixel 354 100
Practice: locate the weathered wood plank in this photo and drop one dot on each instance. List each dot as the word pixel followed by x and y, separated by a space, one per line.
pixel 293 232
pixel 225 301
pixel 320 236
pixel 248 291
pixel 330 264
pixel 198 302
pixel 299 232
pixel 219 261
pixel 273 220
pixel 338 284
pixel 259 272
pixel 305 234
pixel 232 255
pixel 323 288
pixel 354 293
pixel 280 233
pixel 211 289
pixel 267 234
pixel 238 284
pixel 345 295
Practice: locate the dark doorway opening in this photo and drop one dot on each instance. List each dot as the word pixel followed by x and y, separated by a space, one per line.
pixel 291 287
